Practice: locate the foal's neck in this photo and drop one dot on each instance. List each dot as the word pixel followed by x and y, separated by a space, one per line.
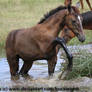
pixel 56 22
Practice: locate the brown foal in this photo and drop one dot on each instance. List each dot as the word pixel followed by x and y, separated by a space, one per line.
pixel 40 41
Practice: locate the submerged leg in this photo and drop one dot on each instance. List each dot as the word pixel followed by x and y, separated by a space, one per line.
pixel 13 64
pixel 26 67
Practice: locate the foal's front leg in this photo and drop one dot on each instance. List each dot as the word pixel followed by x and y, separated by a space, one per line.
pixel 69 56
pixel 51 65
pixel 61 42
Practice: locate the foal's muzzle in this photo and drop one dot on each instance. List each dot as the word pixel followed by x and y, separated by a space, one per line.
pixel 81 38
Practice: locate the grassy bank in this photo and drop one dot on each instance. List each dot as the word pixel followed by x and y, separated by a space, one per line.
pixel 15 14
pixel 82 64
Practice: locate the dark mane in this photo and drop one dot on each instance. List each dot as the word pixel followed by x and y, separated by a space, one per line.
pixel 51 13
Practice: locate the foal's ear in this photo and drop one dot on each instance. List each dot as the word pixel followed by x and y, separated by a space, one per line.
pixel 69 8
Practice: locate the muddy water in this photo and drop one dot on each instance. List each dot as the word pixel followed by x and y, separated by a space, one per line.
pixel 39 74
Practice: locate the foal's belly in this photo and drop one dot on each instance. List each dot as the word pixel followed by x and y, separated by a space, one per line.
pixel 35 55
pixel 32 57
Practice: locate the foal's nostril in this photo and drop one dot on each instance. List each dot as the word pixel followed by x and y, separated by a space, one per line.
pixel 82 39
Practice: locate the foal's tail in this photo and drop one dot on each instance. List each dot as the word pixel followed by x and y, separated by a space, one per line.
pixel 10 41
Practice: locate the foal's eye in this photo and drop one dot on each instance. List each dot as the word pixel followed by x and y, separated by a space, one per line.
pixel 66 29
pixel 73 21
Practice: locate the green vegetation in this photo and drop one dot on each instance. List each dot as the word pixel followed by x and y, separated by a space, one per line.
pixel 82 65
pixel 15 14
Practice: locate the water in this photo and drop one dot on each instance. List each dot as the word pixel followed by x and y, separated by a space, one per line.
pixel 39 70
pixel 87 48
pixel 40 67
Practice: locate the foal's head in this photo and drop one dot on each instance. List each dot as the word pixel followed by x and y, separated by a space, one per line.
pixel 67 34
pixel 73 21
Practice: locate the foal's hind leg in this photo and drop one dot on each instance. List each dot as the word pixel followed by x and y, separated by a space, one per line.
pixel 13 64
pixel 26 67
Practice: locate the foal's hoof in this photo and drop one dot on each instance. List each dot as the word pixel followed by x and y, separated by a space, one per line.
pixel 63 75
pixel 50 76
pixel 26 76
pixel 14 78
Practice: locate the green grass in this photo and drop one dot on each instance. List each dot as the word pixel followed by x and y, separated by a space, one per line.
pixel 15 14
pixel 82 65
